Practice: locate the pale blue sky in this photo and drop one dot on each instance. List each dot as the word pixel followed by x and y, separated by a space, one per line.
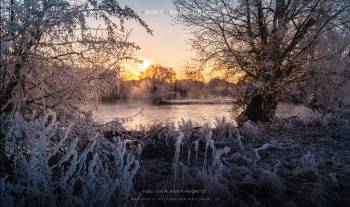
pixel 169 44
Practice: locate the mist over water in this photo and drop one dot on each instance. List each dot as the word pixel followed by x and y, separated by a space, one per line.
pixel 148 114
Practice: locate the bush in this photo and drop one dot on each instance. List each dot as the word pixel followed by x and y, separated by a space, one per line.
pixel 250 130
pixel 304 114
pixel 311 117
pixel 56 164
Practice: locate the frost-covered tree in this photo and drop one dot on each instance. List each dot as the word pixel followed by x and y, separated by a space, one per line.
pixel 328 72
pixel 269 40
pixel 55 54
pixel 53 49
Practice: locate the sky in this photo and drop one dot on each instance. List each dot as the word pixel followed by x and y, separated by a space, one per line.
pixel 169 45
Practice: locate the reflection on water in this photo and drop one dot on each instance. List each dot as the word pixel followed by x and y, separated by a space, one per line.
pixel 160 113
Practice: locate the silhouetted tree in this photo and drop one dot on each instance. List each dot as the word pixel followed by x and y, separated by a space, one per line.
pixel 269 40
pixel 162 79
pixel 159 73
pixel 195 75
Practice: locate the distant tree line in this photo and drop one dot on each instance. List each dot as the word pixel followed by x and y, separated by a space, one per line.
pixel 159 82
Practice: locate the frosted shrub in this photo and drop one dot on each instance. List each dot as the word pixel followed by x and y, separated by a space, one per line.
pixel 250 130
pixel 216 169
pixel 213 167
pixel 177 155
pixel 203 164
pixel 310 117
pixel 54 165
pixel 303 114
pixel 196 148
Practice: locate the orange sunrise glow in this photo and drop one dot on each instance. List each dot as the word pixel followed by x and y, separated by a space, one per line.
pixel 133 70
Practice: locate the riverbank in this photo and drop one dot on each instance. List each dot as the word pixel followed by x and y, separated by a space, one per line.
pixel 278 164
pixel 194 101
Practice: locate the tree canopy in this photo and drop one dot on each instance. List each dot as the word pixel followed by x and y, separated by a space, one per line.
pixel 43 42
pixel 158 72
pixel 271 41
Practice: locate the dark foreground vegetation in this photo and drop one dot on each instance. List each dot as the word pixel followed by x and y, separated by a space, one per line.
pixel 279 164
pixel 288 162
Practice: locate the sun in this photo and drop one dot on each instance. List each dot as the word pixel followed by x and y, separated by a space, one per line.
pixel 145 64
pixel 133 70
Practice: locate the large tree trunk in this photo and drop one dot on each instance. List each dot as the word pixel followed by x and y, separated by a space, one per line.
pixel 261 108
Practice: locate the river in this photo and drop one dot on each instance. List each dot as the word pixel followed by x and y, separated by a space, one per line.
pixel 140 114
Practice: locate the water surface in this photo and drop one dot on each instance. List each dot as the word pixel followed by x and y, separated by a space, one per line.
pixel 147 114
